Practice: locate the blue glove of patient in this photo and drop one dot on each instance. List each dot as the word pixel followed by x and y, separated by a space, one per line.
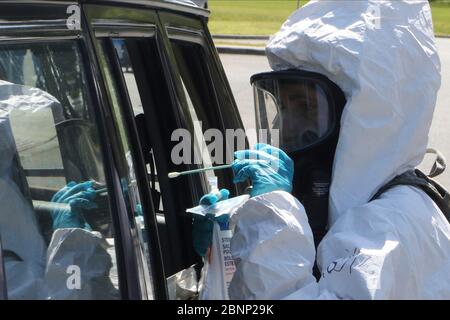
pixel 268 168
pixel 202 228
pixel 80 198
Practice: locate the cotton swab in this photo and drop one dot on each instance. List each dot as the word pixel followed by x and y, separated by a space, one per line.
pixel 177 174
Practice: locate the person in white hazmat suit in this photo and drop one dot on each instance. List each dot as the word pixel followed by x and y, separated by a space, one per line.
pixel 33 270
pixel 396 245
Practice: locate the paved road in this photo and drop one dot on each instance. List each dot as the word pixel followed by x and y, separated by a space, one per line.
pixel 239 68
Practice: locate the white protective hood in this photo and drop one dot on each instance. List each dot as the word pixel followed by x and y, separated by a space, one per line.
pixel 382 54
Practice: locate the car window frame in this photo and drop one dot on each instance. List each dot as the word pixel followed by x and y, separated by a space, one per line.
pixel 107 24
pixel 118 17
pixel 196 190
pixel 123 88
pixel 177 258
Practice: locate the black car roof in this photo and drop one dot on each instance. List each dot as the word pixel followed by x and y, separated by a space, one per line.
pixel 185 6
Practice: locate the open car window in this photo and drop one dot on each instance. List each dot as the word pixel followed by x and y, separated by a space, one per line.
pixel 133 69
pixel 55 219
pixel 204 108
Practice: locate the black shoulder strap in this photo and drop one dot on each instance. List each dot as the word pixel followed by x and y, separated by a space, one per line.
pixel 420 180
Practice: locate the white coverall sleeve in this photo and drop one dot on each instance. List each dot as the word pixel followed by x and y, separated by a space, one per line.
pixel 78 266
pixel 273 248
pixel 36 272
pixel 397 247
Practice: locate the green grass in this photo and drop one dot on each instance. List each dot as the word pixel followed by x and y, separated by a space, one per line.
pixel 441 18
pixel 255 17
pixel 265 17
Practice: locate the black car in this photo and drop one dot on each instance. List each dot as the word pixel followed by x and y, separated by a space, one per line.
pixel 101 87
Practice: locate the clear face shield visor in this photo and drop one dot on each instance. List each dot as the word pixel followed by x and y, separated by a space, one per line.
pixel 294 109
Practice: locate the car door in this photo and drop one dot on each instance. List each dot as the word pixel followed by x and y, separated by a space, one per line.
pixel 132 63
pixel 138 63
pixel 58 132
pixel 120 87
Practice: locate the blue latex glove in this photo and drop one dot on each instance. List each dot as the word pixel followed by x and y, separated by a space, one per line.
pixel 268 168
pixel 79 197
pixel 212 198
pixel 138 210
pixel 202 228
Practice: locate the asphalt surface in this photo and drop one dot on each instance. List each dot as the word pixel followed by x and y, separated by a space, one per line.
pixel 239 68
